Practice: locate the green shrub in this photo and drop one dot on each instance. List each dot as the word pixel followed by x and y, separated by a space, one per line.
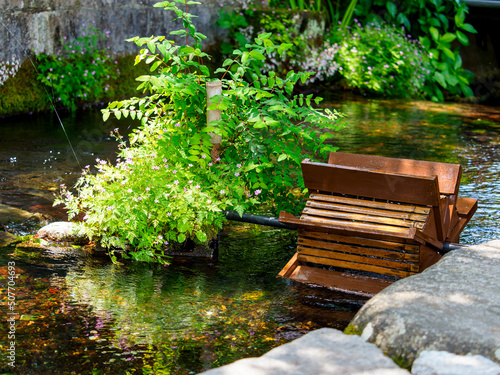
pixel 301 32
pixel 166 186
pixel 81 74
pixel 381 59
pixel 437 24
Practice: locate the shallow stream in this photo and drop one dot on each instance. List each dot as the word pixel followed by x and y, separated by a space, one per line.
pixel 83 315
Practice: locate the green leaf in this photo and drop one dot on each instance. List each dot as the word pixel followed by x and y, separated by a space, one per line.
pixel 264 36
pixel 447 38
pixel 392 9
pixel 469 28
pixel 202 237
pixel 439 78
pixel 181 237
pixel 178 32
pixel 245 56
pixel 152 47
pixel 257 55
pixel 462 38
pixel 448 52
pixel 434 33
pixel 282 157
pixel 105 115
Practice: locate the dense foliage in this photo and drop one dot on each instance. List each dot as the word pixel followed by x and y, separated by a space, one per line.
pixel 81 73
pixel 301 32
pixel 382 59
pixel 436 24
pixel 166 186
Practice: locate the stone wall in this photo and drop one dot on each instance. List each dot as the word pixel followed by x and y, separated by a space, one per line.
pixel 39 25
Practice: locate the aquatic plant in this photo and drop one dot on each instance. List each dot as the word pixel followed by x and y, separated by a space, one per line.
pixel 170 184
pixel 81 72
pixel 381 59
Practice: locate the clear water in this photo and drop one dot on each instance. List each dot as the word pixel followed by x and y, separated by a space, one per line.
pixel 83 315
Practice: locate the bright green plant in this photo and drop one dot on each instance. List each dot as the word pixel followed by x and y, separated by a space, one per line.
pixel 381 59
pixel 166 187
pixel 306 51
pixel 81 73
pixel 437 24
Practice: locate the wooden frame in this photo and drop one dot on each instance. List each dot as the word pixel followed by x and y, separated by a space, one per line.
pixel 371 220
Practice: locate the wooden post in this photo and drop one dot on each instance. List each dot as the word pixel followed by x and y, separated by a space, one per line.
pixel 214 88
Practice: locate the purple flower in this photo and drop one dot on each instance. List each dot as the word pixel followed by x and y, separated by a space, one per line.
pixel 139 199
pixel 169 214
pixel 222 191
pixel 177 125
pixel 236 174
pixel 258 191
pixel 203 156
pixel 127 221
pixel 176 182
pixel 238 165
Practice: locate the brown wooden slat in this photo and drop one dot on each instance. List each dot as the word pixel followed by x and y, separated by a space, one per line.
pixel 346 230
pixel 357 266
pixel 394 244
pixel 362 285
pixel 373 184
pixel 324 255
pixel 366 251
pixel 466 207
pixel 290 266
pixel 367 211
pixel 362 218
pixel 352 224
pixel 448 174
pixel 370 203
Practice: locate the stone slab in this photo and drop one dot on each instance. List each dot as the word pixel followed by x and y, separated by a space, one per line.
pixel 322 352
pixel 453 306
pixel 10 214
pixel 431 362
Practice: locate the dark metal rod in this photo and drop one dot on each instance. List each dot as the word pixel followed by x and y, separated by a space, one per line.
pixel 274 222
pixel 257 219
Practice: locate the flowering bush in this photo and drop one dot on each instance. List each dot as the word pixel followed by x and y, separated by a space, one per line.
pixel 381 59
pixel 168 185
pixel 9 69
pixel 80 74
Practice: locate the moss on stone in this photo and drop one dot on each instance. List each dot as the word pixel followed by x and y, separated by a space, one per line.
pixel 351 329
pixel 23 93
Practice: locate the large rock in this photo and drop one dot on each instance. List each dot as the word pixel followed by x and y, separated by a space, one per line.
pixel 453 306
pixel 321 352
pixel 10 214
pixel 62 231
pixel 431 362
